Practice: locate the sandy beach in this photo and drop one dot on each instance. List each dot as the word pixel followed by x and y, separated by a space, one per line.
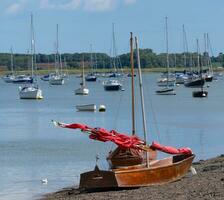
pixel 208 183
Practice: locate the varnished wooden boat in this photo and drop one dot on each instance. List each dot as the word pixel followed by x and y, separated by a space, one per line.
pixel 137 167
pixel 159 172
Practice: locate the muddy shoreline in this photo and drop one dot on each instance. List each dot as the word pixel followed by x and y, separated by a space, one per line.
pixel 208 183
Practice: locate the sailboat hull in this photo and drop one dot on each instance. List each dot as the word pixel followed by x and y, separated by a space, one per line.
pixel 160 172
pixel 30 93
pixel 56 80
pixel 82 91
pixel 194 83
pixel 200 94
pixel 166 91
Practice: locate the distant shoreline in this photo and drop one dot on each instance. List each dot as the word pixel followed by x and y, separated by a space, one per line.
pixel 208 183
pixel 125 70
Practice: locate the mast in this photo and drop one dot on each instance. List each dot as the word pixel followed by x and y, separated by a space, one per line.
pixel 114 49
pixel 205 52
pixel 132 84
pixel 167 52
pixel 32 45
pixel 141 89
pixel 185 46
pixel 142 97
pixel 57 52
pixel 91 57
pixel 208 49
pixel 199 63
pixel 11 58
pixel 83 77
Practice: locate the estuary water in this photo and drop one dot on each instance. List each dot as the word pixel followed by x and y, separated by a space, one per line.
pixel 32 148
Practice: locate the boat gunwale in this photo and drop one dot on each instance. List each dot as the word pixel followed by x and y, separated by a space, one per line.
pixel 123 170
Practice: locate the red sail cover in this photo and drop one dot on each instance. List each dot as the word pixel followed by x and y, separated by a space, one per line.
pixel 122 140
pixel 170 150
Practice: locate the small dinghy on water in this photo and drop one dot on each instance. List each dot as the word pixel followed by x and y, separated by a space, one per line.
pixel 86 107
pixel 166 91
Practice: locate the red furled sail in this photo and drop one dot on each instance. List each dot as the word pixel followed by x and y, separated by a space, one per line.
pixel 170 150
pixel 122 140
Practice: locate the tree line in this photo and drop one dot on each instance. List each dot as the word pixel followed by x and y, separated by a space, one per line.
pixel 149 59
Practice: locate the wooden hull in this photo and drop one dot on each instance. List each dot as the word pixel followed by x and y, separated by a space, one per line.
pixel 159 172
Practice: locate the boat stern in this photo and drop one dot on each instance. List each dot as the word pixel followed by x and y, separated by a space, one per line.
pixel 97 180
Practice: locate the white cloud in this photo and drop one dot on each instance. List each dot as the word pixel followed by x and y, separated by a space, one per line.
pixel 87 5
pixel 69 5
pixel 99 5
pixel 16 7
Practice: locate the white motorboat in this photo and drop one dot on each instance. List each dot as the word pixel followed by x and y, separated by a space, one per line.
pixel 22 79
pixel 163 82
pixel 8 78
pixel 87 107
pixel 56 80
pixel 112 84
pixel 30 92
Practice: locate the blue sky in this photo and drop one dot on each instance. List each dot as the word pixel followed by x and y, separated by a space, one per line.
pixel 85 22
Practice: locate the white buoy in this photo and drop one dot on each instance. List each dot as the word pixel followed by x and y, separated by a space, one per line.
pixel 102 108
pixel 44 181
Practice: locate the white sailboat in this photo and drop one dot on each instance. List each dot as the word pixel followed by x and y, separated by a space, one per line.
pixel 31 91
pixel 113 84
pixel 91 77
pixel 57 78
pixel 83 90
pixel 167 88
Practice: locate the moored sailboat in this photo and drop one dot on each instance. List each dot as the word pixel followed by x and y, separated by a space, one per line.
pixel 57 78
pixel 31 91
pixel 201 93
pixel 83 90
pixel 167 83
pixel 113 83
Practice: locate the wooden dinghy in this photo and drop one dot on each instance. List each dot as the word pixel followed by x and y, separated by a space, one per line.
pixel 159 172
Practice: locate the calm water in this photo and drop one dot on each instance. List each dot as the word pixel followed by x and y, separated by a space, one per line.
pixel 31 148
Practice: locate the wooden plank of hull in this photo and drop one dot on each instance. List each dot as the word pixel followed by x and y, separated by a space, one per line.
pixel 153 175
pixel 160 172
